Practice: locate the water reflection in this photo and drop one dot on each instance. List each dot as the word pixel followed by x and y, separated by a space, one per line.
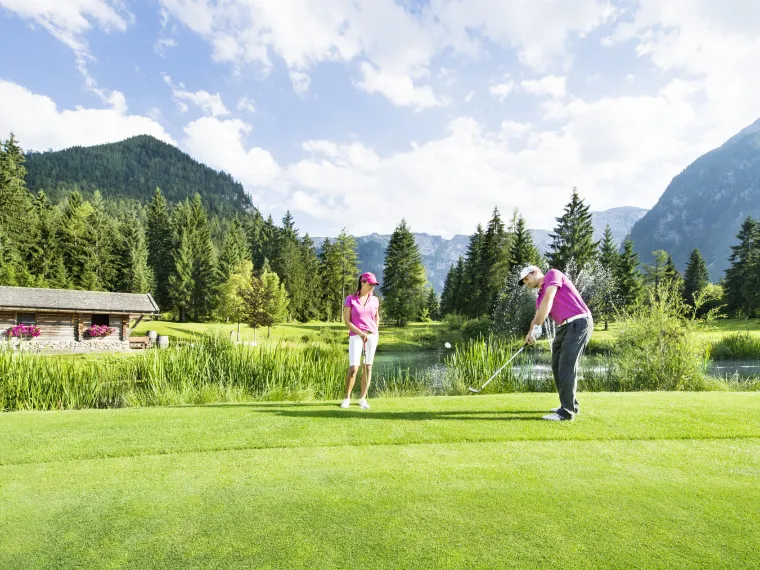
pixel 431 364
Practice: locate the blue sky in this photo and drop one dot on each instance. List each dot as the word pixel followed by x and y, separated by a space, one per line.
pixel 357 113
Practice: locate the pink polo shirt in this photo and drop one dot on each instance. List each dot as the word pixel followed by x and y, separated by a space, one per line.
pixel 567 301
pixel 363 316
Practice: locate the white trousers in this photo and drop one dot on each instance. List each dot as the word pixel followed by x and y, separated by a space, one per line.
pixel 356 346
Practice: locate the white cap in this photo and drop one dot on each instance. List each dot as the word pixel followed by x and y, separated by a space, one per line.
pixel 527 270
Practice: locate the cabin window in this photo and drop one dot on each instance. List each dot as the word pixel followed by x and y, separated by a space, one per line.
pixel 26 319
pixel 100 320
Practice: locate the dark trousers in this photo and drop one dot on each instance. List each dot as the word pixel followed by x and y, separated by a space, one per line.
pixel 567 349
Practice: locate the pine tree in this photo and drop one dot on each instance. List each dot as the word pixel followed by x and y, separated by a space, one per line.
pixel 203 263
pixel 328 269
pixel 752 284
pixel 447 295
pixel 671 272
pixel 268 243
pixel 656 273
pixel 346 267
pixel 102 243
pixel 494 262
pixel 696 277
pixel 160 246
pixel 573 238
pixel 627 275
pixel 135 274
pixel 73 235
pixel 254 228
pixel 738 274
pixel 470 288
pixel 15 200
pixel 43 253
pixel 432 305
pixel 523 251
pixel 288 265
pixel 459 287
pixel 608 250
pixel 403 276
pixel 234 250
pixel 181 278
pixel 310 308
pixel 15 211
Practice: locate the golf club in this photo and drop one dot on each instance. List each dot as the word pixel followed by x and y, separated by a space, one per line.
pixel 478 390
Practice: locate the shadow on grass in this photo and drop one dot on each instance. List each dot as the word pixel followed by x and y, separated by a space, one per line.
pixel 518 415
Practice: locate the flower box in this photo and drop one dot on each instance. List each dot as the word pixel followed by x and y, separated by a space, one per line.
pixel 23 332
pixel 98 331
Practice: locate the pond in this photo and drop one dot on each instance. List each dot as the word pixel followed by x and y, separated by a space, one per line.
pixel 420 361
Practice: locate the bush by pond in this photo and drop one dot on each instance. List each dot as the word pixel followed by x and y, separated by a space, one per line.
pixel 736 346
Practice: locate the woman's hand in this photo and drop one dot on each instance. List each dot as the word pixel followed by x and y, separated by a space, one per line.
pixel 364 336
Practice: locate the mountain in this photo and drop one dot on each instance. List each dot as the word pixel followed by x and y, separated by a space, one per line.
pixel 704 206
pixel 439 254
pixel 132 169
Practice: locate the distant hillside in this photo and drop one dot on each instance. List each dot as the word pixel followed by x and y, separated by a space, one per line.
pixel 439 254
pixel 132 169
pixel 705 205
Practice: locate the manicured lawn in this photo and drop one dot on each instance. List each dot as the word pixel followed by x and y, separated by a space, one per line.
pixel 644 480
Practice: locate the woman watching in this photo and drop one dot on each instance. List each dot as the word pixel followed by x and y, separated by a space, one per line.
pixel 361 314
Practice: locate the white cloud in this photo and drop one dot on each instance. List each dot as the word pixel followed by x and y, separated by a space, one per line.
pixel 538 30
pixel 70 20
pixel 246 104
pixel 300 81
pixel 469 97
pixel 399 89
pixel 163 45
pixel 502 90
pixel 39 124
pixel 208 102
pixel 715 45
pixel 393 46
pixel 551 86
pixel 220 144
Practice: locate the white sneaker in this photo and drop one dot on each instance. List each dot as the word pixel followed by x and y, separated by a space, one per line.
pixel 345 403
pixel 555 417
pixel 363 404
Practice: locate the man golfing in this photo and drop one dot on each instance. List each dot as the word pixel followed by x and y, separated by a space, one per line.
pixel 558 297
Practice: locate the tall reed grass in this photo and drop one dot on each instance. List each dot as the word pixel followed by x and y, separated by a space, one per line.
pixel 209 370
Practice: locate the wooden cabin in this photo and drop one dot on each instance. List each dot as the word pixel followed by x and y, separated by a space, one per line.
pixel 64 315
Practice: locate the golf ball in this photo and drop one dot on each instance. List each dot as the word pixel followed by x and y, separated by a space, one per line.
pixel 447 344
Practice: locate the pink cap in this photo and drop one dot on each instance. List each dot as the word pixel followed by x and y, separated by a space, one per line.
pixel 369 278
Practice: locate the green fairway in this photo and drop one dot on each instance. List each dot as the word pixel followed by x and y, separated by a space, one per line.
pixel 645 480
pixel 392 337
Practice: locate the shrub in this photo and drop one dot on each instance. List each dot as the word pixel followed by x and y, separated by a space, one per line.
pixel 477 328
pixel 736 346
pixel 454 321
pixel 603 346
pixel 332 336
pixel 657 348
